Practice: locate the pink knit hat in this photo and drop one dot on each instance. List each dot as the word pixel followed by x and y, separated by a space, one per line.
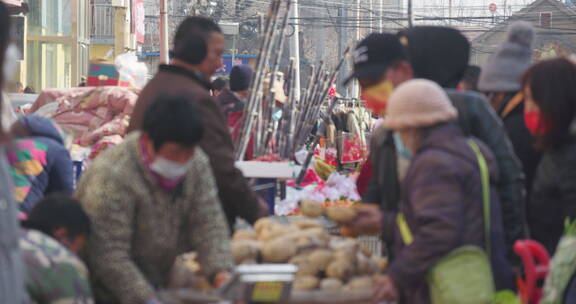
pixel 418 103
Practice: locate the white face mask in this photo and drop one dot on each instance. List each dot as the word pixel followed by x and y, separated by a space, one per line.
pixel 169 169
pixel 10 62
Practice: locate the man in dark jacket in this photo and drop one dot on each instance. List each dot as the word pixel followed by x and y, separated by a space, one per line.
pixel 381 58
pixel 501 82
pixel 447 67
pixel 232 100
pixel 40 162
pixel 198 46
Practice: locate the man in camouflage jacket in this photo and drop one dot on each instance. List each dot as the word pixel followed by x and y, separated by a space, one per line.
pixel 53 273
pixel 55 231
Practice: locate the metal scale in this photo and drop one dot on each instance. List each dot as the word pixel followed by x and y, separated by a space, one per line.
pixel 265 283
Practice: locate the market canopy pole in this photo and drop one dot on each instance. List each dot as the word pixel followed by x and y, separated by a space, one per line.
pixel 410 14
pixel 381 15
pixel 164 32
pixel 355 85
pixel 295 48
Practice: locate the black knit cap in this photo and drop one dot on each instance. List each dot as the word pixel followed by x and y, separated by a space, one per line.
pixel 440 54
pixel 240 78
pixel 376 53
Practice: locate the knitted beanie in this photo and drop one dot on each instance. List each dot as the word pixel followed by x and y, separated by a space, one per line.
pixel 240 78
pixel 504 69
pixel 418 103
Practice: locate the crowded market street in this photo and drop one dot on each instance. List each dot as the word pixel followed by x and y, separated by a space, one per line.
pixel 287 151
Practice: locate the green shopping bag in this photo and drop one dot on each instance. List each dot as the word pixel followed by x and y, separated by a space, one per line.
pixel 464 276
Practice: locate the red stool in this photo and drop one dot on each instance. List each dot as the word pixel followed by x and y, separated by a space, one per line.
pixel 536 262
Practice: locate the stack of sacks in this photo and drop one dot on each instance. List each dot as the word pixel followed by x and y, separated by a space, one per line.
pixel 97 117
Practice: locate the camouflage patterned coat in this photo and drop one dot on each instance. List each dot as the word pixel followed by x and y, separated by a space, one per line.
pixel 54 275
pixel 139 228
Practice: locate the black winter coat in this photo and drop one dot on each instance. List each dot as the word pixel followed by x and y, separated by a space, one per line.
pixel 553 195
pixel 512 113
pixel 476 118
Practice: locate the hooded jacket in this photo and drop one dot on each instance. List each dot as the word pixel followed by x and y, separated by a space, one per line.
pixel 41 164
pixel 475 117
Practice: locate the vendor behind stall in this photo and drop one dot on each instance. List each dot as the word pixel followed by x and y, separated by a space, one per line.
pixel 150 199
pixel 40 163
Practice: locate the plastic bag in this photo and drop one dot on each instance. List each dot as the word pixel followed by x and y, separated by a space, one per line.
pixel 132 73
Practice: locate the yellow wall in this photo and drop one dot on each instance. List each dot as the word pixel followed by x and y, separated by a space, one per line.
pixel 99 50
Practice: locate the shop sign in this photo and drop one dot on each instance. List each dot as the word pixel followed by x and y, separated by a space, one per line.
pixel 138 20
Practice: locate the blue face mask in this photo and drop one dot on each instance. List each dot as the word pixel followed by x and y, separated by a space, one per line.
pixel 402 150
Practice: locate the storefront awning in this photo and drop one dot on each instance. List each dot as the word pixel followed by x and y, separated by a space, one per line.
pixel 16 6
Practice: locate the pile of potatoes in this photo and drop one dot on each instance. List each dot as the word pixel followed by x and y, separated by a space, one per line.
pixel 325 262
pixel 338 214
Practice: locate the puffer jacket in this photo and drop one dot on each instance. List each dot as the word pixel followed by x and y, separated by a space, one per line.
pixel 553 194
pixel 41 164
pixel 443 205
pixel 477 119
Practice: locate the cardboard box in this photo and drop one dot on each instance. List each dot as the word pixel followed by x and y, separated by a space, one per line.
pixel 103 73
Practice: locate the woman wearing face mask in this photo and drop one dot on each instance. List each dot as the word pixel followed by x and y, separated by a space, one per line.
pixel 442 199
pixel 150 199
pixel 550 115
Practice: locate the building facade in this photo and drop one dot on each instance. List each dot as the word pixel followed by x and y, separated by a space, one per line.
pixel 555 28
pixel 53 38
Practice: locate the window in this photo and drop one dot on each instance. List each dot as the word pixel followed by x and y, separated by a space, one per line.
pixel 56 55
pixel 50 18
pixel 49 65
pixel 545 20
